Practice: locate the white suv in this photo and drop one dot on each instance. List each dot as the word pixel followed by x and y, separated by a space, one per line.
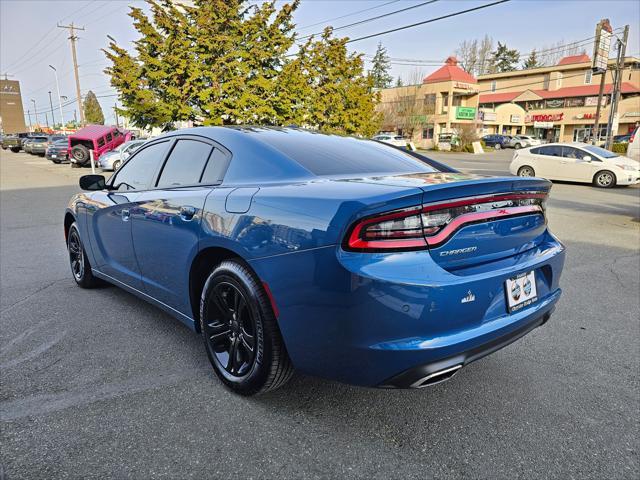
pixel 633 149
pixel 396 140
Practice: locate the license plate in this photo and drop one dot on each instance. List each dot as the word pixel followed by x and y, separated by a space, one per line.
pixel 521 291
pixel 54 156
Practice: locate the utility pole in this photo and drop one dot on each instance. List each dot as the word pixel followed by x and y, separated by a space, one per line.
pixel 53 117
pixel 600 61
pixel 75 118
pixel 73 37
pixel 615 91
pixel 30 125
pixel 46 118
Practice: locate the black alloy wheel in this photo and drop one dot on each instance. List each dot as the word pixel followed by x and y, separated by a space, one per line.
pixel 240 331
pixel 80 266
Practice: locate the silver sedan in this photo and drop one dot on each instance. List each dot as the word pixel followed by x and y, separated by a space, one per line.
pixel 112 160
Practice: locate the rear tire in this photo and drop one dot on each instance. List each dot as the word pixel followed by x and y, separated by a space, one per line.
pixel 80 154
pixel 15 149
pixel 526 171
pixel 518 146
pixel 80 266
pixel 56 161
pixel 604 179
pixel 240 331
pixel 497 146
pixel 116 165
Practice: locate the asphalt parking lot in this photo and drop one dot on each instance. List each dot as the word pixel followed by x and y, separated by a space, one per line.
pixel 99 384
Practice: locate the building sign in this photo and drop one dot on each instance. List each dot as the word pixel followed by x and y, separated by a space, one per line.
pixel 466 113
pixel 601 47
pixel 488 116
pixel 632 114
pixel 552 117
pixel 586 116
pixel 593 101
pixel 516 118
pixel 462 86
pixel 542 124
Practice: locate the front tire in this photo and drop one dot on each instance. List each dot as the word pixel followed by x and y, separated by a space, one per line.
pixel 497 146
pixel 80 266
pixel 240 331
pixel 116 165
pixel 518 146
pixel 604 179
pixel 15 149
pixel 526 171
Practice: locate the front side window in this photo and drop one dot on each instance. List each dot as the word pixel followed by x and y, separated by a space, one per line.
pixel 572 152
pixel 101 142
pixel 185 164
pixel 109 137
pixel 138 172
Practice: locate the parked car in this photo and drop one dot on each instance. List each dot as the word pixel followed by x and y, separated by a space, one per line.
pixel 576 162
pixel 622 138
pixel 496 141
pixel 14 142
pixel 97 138
pixel 397 140
pixel 40 148
pixel 341 257
pixel 523 141
pixel 30 143
pixel 58 151
pixel 633 149
pixel 113 159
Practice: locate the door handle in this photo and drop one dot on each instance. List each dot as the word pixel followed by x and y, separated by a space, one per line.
pixel 125 214
pixel 187 212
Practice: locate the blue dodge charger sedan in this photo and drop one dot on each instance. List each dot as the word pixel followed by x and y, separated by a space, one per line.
pixel 340 257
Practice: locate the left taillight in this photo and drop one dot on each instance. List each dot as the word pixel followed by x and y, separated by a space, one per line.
pixel 431 225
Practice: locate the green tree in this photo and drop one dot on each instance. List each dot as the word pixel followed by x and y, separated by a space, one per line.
pixel 380 70
pixel 92 109
pixel 503 59
pixel 399 81
pixel 531 61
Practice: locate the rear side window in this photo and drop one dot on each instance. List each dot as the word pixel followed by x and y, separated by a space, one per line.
pixel 185 163
pixel 551 151
pixel 109 137
pixel 216 167
pixel 101 142
pixel 138 172
pixel 333 155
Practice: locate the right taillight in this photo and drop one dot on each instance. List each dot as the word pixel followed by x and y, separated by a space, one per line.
pixel 431 225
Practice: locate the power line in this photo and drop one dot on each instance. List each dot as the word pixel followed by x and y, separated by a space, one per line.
pixel 431 20
pixel 347 15
pixel 367 20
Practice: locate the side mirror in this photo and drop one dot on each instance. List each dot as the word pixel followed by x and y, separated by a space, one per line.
pixel 586 158
pixel 92 182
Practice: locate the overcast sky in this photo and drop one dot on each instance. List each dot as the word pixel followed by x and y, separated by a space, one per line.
pixel 30 41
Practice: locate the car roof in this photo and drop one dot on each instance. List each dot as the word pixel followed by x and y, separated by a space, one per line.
pixel 92 132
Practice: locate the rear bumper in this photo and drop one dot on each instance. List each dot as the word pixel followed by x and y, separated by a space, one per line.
pixel 383 319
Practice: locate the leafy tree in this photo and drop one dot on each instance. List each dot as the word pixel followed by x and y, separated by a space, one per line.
pixel 532 61
pixel 399 81
pixel 92 110
pixel 380 70
pixel 503 59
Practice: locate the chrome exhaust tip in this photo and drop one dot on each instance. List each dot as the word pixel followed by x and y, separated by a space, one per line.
pixel 437 377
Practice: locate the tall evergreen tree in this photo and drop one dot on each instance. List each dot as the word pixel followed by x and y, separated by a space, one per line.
pixel 399 81
pixel 504 59
pixel 531 61
pixel 92 109
pixel 380 70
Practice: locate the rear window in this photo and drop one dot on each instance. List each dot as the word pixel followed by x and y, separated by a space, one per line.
pixel 333 155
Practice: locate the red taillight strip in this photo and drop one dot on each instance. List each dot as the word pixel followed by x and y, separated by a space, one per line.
pixel 357 243
pixel 476 217
pixel 481 199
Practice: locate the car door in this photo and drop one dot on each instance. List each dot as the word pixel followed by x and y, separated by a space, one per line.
pixel 546 161
pixel 572 166
pixel 166 222
pixel 109 215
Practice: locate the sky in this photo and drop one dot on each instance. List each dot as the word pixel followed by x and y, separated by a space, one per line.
pixel 30 39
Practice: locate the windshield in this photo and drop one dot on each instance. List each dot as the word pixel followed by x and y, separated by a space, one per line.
pixel 601 152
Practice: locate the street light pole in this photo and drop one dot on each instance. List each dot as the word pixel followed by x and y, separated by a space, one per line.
pixel 58 90
pixel 30 125
pixel 35 110
pixel 53 117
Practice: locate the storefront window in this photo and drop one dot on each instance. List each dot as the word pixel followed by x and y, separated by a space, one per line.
pixel 445 103
pixel 584 133
pixel 427 132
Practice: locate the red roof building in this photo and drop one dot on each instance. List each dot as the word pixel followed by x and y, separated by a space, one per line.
pixel 570 60
pixel 450 72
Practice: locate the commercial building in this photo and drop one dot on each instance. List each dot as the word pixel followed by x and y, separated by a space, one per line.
pixel 555 103
pixel 11 112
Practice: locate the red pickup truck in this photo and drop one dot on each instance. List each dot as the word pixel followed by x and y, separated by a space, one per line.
pixel 97 138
